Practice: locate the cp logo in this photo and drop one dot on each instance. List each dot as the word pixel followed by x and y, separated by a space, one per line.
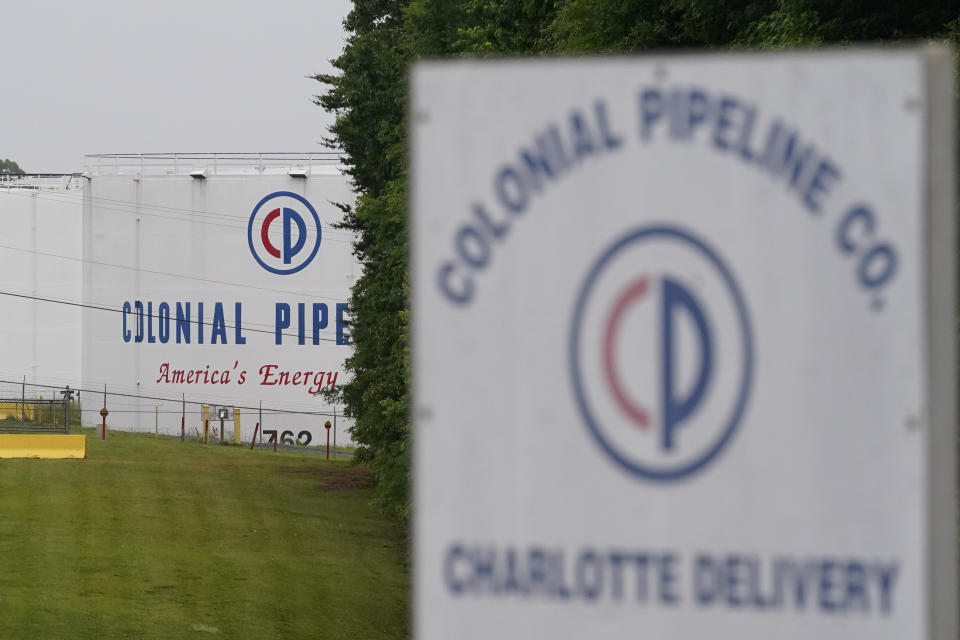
pixel 282 239
pixel 661 353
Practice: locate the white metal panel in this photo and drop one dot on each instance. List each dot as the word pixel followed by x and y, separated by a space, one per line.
pixel 595 238
pixel 175 239
pixel 40 257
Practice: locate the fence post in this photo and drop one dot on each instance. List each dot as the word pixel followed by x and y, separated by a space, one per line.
pixel 103 414
pixel 66 409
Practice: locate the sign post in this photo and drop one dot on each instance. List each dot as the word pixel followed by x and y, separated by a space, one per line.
pixel 222 413
pixel 103 427
pixel 728 279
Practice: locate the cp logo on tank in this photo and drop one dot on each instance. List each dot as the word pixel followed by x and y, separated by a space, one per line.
pixel 284 232
pixel 661 353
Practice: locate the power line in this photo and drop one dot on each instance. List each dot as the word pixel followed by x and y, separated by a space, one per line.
pixel 146 315
pixel 189 215
pixel 163 273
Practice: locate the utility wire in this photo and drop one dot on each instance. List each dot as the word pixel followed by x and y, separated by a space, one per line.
pixel 146 315
pixel 189 215
pixel 171 275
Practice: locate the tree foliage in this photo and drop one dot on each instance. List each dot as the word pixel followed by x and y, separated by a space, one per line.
pixel 9 167
pixel 368 95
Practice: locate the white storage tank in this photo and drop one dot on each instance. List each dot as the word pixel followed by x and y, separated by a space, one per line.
pixel 40 259
pixel 216 279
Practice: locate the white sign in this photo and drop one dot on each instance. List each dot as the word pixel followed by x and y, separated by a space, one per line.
pixel 684 353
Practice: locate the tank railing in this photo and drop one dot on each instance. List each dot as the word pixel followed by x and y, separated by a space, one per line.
pixel 41 181
pixel 183 163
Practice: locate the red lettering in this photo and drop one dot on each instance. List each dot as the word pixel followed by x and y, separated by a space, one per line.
pixel 267 372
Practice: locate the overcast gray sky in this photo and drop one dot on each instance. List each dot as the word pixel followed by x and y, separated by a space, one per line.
pixel 119 76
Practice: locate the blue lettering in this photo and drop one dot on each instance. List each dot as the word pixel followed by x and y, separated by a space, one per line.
pixel 872 276
pixel 743 144
pixel 512 584
pixel 641 563
pixel 733 581
pixel 219 325
pixel 856 592
pixel 822 180
pixel 138 307
pixel 698 108
pixel 667 583
pixel 548 161
pixel 611 141
pixel 589 574
pixel 793 160
pixel 538 569
pixel 705 580
pixel 457 295
pixel 511 190
pixel 301 323
pixel 290 249
pixel 887 576
pixel 126 310
pixel 150 337
pixel 651 110
pixel 282 321
pixel 183 323
pixel 163 314
pixel 616 566
pixel 479 256
pixel 319 320
pixel 861 214
pixel 583 143
pixel 483 568
pixel 237 336
pixel 495 229
pixel 723 122
pixel 827 585
pixel 454 554
pixel 342 337
pixel 676 410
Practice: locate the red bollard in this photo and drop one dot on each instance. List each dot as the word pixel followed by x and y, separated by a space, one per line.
pixel 326 426
pixel 103 430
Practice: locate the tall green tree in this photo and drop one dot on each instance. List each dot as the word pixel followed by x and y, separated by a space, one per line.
pixel 368 96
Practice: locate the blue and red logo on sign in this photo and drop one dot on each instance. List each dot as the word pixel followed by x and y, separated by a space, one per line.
pixel 661 353
pixel 282 239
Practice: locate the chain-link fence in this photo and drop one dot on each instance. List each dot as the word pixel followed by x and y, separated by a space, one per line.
pixel 42 407
pixel 38 409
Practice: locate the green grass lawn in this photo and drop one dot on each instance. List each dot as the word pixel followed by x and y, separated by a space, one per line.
pixel 161 539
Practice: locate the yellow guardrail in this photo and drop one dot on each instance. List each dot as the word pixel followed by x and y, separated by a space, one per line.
pixel 36 445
